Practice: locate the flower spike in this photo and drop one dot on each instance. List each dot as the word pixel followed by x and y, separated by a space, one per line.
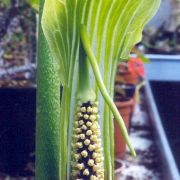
pixel 87 148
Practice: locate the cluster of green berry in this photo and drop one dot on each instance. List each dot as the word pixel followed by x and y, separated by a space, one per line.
pixel 86 145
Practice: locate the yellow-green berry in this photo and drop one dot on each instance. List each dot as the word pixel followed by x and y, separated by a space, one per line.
pixel 91 162
pixel 76 123
pixel 82 136
pixel 97 116
pixel 95 155
pixel 92 117
pixel 84 153
pixel 94 138
pixel 95 110
pixel 98 160
pixel 77 130
pixel 80 166
pixel 77 156
pixel 79 145
pixel 78 109
pixel 93 177
pixel 86 172
pixel 87 142
pixel 89 109
pixel 83 127
pixel 83 109
pixel 89 124
pixel 91 147
pixel 79 114
pixel 86 116
pixel 95 167
pixel 94 127
pixel 89 132
pixel 81 122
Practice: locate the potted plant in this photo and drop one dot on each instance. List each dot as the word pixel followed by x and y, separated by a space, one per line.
pixel 129 79
pixel 68 140
pixel 130 72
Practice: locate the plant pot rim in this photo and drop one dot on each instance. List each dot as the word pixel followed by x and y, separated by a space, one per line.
pixel 119 169
pixel 125 85
pixel 124 103
pixel 17 88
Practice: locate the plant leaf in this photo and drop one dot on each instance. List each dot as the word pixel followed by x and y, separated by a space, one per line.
pixel 7 3
pixel 134 34
pixel 34 4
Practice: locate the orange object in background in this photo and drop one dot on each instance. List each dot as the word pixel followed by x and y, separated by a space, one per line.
pixel 126 109
pixel 130 72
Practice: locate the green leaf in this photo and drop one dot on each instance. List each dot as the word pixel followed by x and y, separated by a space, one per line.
pixel 7 3
pixel 34 4
pixel 55 25
pixel 144 59
pixel 114 27
pixel 134 34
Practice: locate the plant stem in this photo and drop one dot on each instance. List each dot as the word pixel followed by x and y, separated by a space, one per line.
pixel 48 112
pixel 85 92
pixel 102 87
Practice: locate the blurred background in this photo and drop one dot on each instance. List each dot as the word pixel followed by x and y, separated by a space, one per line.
pixel 153 95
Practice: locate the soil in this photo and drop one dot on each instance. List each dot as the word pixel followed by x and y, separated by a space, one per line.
pixel 17 47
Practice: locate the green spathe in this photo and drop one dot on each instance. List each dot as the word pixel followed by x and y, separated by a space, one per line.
pixel 47 113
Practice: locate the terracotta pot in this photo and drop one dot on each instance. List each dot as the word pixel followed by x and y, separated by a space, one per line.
pixel 125 108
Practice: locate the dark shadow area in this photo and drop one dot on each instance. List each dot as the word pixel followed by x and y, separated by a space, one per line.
pixel 17 130
pixel 167 98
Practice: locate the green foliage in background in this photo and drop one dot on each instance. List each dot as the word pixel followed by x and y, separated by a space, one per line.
pixel 34 4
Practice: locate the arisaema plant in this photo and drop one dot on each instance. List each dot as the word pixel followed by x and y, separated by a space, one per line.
pixel 80 44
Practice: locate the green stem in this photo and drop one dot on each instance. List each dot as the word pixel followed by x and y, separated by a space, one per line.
pixel 85 92
pixel 138 87
pixel 107 152
pixel 48 112
pixel 112 79
pixel 100 83
pixel 64 118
